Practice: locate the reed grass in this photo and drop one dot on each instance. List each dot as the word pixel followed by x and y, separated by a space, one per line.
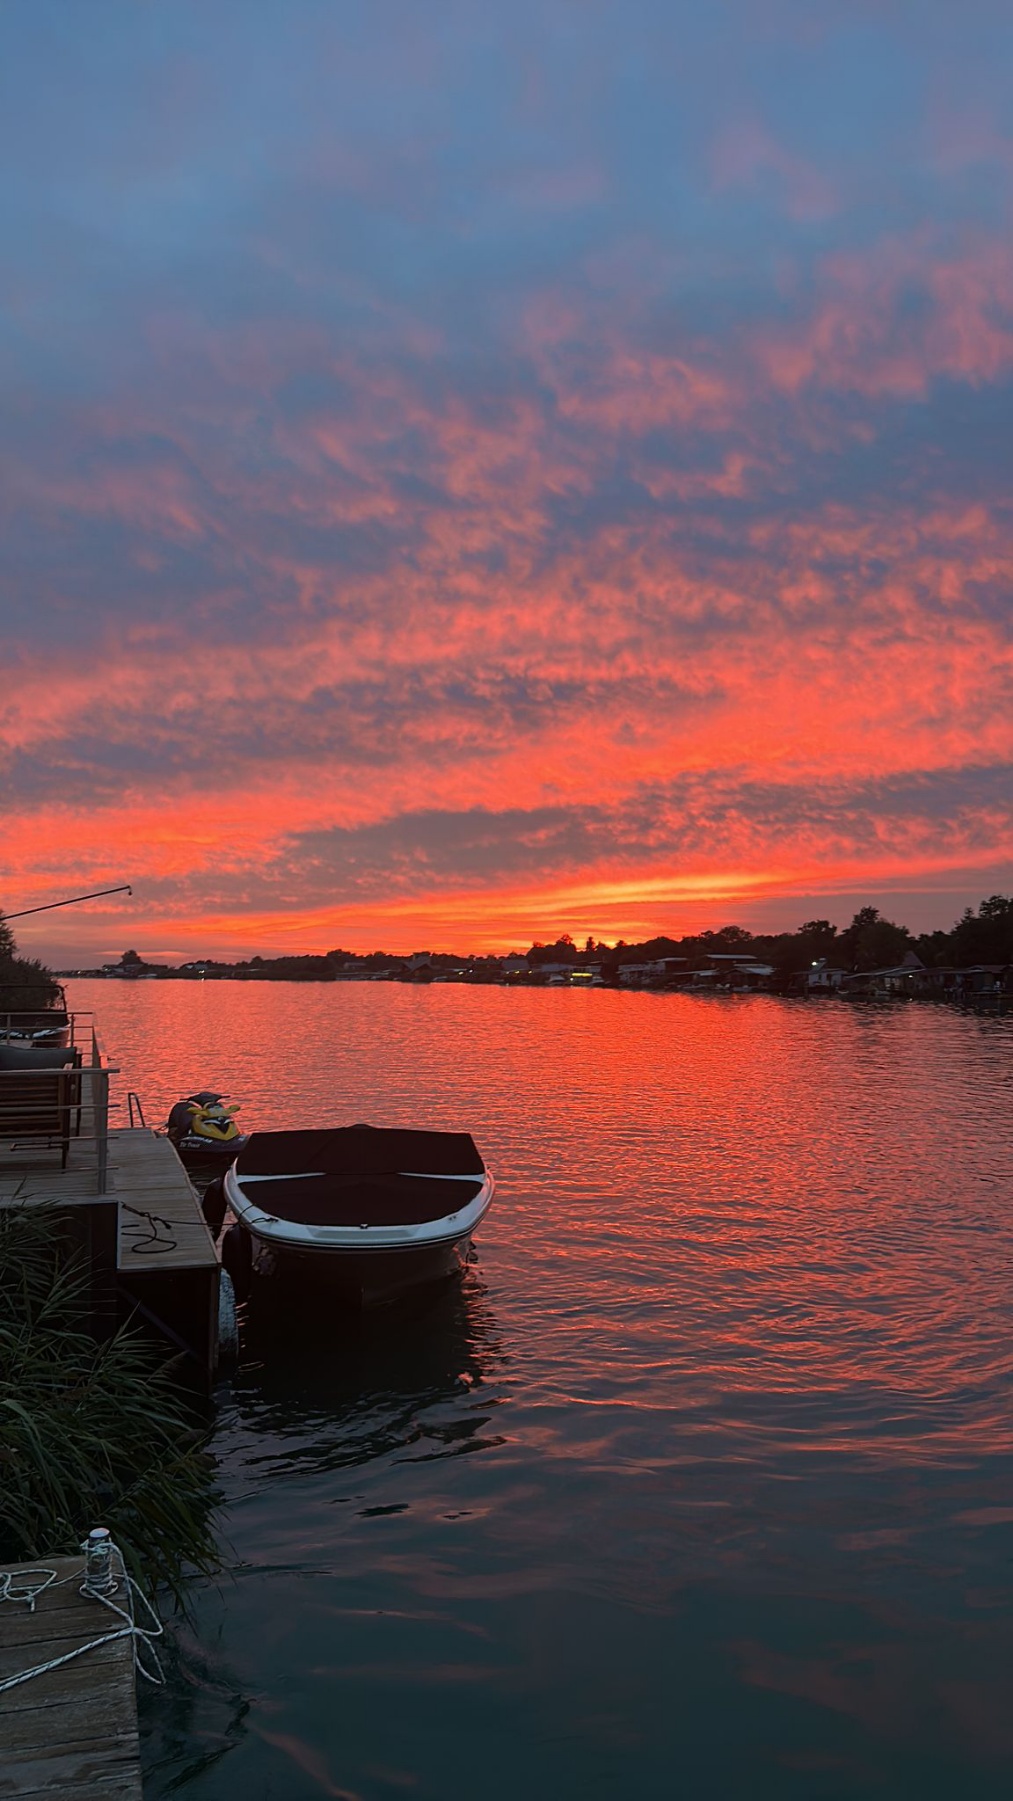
pixel 91 1433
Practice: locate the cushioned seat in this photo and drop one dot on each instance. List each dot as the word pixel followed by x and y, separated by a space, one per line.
pixel 39 1090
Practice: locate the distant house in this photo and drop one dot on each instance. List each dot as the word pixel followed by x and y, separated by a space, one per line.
pixel 984 978
pixel 651 975
pixel 903 979
pixel 736 969
pixel 636 975
pixel 514 966
pixel 822 977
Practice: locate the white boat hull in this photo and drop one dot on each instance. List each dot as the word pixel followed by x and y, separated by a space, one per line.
pixel 366 1263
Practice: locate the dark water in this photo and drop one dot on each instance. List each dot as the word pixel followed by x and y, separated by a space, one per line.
pixel 700 1484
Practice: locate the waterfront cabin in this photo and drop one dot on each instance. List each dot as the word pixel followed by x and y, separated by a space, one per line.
pixel 899 982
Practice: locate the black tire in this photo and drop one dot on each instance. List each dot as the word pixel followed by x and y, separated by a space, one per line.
pixel 237 1259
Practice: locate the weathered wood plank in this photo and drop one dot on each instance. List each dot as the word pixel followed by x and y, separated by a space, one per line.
pixel 150 1178
pixel 22 1634
pixel 25 1728
pixel 72 1731
pixel 45 1770
pixel 114 1785
pixel 76 1680
pixel 144 1173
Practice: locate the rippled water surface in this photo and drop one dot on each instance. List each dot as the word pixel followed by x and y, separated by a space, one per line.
pixel 700 1484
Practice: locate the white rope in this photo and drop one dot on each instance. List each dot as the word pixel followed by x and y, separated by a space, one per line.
pixel 16 1586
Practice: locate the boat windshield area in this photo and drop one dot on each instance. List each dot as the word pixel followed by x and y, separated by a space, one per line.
pixel 360 1175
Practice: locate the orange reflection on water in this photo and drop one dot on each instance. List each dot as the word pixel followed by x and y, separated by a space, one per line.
pixel 740 1210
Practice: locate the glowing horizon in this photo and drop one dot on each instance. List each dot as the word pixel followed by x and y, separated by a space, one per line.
pixel 464 481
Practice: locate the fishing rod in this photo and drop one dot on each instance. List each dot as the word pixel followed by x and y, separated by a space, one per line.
pixel 73 902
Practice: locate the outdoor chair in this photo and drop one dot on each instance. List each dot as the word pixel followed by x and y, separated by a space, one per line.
pixel 40 1091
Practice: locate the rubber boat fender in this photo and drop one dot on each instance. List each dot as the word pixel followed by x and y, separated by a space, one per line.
pixel 228 1325
pixel 214 1207
pixel 237 1260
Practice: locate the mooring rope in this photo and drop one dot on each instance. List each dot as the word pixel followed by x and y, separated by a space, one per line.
pixel 154 1240
pixel 104 1571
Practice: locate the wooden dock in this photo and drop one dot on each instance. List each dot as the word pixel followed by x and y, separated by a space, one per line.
pixel 144 1175
pixel 127 1207
pixel 151 1253
pixel 167 1267
pixel 73 1731
pixel 159 1213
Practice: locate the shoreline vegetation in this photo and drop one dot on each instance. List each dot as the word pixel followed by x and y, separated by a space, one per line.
pixel 94 1429
pixel 780 962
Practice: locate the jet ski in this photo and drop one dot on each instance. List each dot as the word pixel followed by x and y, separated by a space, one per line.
pixel 204 1130
pixel 370 1211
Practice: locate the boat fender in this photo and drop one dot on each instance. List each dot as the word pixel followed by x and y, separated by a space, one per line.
pixel 228 1325
pixel 214 1206
pixel 237 1260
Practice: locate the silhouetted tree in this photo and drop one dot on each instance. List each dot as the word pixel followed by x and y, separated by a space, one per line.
pixel 985 936
pixel 563 951
pixel 791 952
pixel 872 942
pixel 26 985
pixel 935 949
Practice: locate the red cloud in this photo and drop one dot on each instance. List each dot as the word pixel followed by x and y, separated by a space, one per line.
pixel 573 590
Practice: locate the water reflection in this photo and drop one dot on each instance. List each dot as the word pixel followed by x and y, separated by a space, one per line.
pixel 195 1722
pixel 319 1390
pixel 735 1361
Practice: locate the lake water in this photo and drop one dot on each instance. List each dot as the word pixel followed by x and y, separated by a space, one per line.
pixel 698 1485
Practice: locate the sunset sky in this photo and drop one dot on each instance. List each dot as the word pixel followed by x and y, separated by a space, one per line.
pixel 472 470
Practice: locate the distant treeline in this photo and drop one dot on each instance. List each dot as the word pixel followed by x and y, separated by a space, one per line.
pixel 869 942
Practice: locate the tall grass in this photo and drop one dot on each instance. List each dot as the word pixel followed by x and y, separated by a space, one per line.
pixel 91 1433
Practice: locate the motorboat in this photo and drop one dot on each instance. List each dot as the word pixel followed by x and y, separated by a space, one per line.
pixel 48 1026
pixel 373 1211
pixel 42 1035
pixel 205 1131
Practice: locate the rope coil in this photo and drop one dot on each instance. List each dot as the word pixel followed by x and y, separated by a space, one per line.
pixel 105 1572
pixel 151 1238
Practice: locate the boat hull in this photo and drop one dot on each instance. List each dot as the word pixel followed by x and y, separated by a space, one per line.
pixel 359 1280
pixel 363 1266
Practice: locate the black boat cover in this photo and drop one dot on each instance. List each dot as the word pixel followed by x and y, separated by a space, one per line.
pixel 359 1151
pixel 361 1175
pixel 361 1200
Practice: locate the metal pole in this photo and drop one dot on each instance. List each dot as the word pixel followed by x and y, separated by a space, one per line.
pixel 100 1099
pixel 73 902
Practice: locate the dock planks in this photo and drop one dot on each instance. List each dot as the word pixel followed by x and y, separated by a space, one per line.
pixel 148 1177
pixel 73 1731
pixel 151 1254
pixel 144 1174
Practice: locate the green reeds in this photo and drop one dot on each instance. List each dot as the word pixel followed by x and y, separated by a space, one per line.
pixel 91 1433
